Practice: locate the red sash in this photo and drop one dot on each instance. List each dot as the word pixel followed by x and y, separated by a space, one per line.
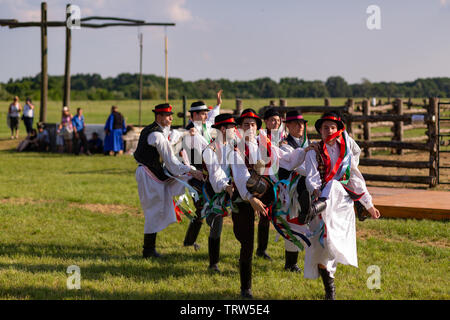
pixel 330 173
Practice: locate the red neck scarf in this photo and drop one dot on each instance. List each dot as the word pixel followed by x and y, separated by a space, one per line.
pixel 327 160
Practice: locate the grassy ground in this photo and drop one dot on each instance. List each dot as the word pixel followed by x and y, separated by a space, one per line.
pixel 61 210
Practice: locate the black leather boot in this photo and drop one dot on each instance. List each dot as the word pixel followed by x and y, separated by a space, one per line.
pixel 328 283
pixel 291 261
pixel 361 212
pixel 245 270
pixel 214 252
pixel 149 246
pixel 310 209
pixel 263 240
pixel 192 233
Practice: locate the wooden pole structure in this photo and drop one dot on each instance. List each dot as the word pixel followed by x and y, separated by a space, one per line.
pixel 366 112
pixel 184 112
pixel 167 72
pixel 44 66
pixel 433 139
pixel 398 125
pixel 44 24
pixel 66 95
pixel 140 76
pixel 351 106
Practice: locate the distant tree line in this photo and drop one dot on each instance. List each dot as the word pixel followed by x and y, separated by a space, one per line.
pixel 126 86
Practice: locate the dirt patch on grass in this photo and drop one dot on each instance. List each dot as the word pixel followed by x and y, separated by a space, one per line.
pixel 112 209
pixel 364 234
pixel 93 207
pixel 24 201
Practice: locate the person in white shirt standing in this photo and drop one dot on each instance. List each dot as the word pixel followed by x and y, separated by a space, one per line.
pixel 28 115
pixel 160 176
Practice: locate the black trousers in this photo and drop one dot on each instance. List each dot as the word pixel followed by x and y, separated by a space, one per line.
pixel 80 141
pixel 28 124
pixel 244 230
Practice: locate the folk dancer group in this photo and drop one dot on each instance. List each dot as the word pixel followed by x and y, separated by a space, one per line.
pixel 307 190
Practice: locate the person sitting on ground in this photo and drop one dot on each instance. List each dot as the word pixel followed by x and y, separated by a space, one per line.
pixel 95 144
pixel 43 138
pixel 30 143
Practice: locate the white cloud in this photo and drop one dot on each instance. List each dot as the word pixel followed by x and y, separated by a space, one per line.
pixel 177 12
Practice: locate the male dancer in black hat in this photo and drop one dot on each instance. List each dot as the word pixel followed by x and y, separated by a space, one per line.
pixel 333 177
pixel 217 182
pixel 156 187
pixel 202 120
pixel 297 138
pixel 248 154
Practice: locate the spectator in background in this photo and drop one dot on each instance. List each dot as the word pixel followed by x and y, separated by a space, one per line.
pixel 30 143
pixel 65 128
pixel 43 138
pixel 28 115
pixel 13 117
pixel 95 144
pixel 114 129
pixel 78 133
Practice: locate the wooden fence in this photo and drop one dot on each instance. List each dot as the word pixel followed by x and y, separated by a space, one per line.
pixel 361 117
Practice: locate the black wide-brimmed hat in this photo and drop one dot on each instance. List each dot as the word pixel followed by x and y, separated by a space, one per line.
pixel 330 116
pixel 163 108
pixel 198 106
pixel 223 120
pixel 294 115
pixel 270 113
pixel 249 113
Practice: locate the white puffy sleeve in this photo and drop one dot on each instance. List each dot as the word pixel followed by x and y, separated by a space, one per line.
pixel 313 180
pixel 358 184
pixel 240 175
pixel 217 177
pixel 174 166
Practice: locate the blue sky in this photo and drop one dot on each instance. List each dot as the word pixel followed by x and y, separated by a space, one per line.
pixel 240 40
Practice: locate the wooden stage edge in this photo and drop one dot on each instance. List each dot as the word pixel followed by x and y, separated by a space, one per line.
pixel 411 203
pixel 412 213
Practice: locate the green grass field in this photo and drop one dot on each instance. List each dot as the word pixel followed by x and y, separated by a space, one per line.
pixel 59 210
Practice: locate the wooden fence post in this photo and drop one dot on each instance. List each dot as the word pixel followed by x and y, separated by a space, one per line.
pixel 398 125
pixel 366 112
pixel 238 110
pixel 283 103
pixel 184 112
pixel 433 138
pixel 351 106
pixel 327 102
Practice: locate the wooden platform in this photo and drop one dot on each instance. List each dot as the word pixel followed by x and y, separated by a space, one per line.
pixel 411 203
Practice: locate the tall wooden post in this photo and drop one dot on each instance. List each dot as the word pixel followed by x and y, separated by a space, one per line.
pixel 167 72
pixel 66 95
pixel 398 125
pixel 140 77
pixel 366 112
pixel 433 138
pixel 44 66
